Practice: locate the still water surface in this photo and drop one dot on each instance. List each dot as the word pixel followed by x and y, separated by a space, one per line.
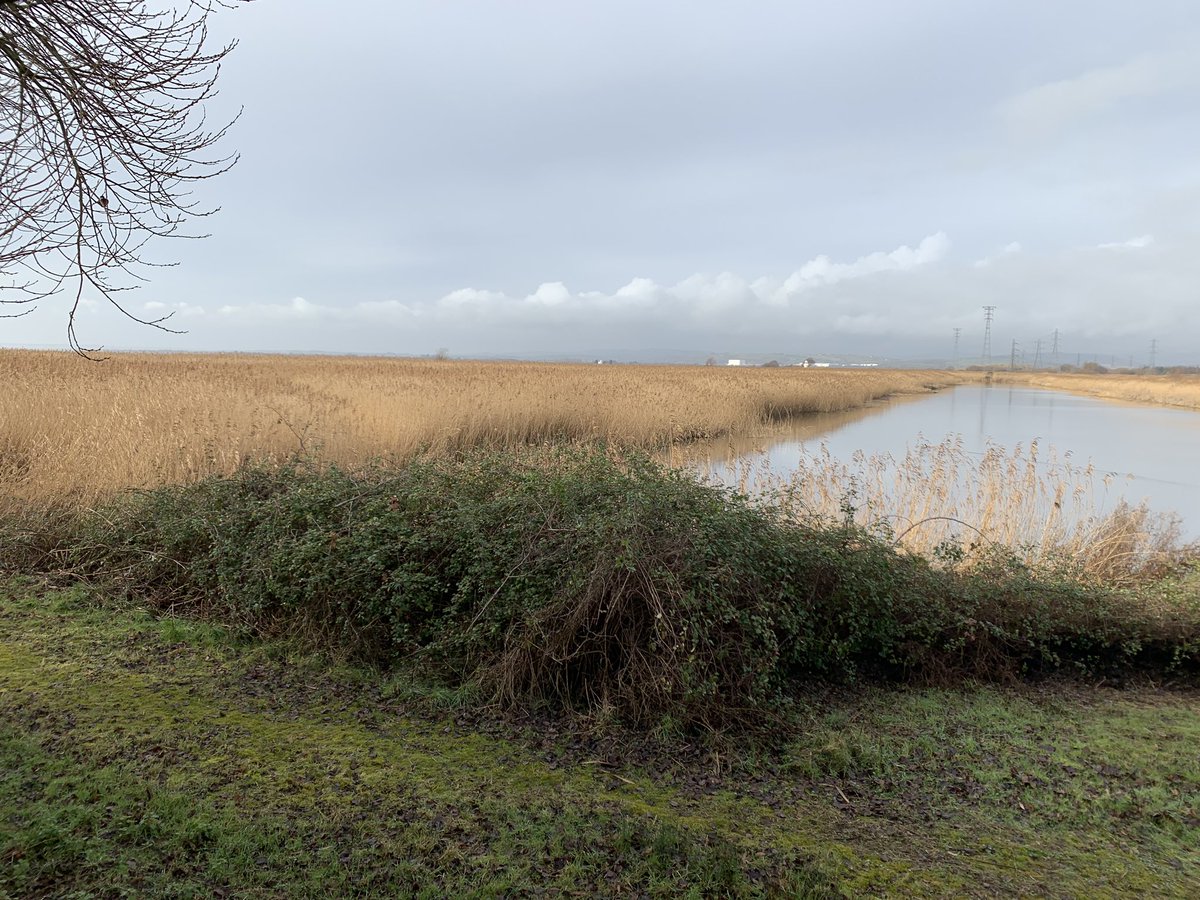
pixel 1153 453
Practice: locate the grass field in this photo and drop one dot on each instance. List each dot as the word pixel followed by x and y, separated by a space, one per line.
pixel 160 757
pixel 70 429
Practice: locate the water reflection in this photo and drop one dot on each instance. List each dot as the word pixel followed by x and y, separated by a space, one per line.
pixel 1148 453
pixel 811 428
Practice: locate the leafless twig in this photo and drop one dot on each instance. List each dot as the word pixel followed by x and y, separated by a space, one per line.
pixel 102 135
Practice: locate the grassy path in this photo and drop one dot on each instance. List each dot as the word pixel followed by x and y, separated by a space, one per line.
pixel 164 758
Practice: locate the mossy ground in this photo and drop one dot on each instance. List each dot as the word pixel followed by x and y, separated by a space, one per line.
pixel 154 756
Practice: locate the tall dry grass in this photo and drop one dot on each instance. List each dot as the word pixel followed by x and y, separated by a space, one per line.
pixel 1165 390
pixel 941 497
pixel 74 430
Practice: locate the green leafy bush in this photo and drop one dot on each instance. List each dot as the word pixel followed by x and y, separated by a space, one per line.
pixel 587 578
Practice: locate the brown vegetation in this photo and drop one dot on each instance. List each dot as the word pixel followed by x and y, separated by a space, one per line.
pixel 1045 509
pixel 1166 390
pixel 79 430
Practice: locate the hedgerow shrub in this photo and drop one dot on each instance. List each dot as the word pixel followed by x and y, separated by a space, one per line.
pixel 588 578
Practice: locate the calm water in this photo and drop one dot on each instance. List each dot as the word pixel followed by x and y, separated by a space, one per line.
pixel 1153 453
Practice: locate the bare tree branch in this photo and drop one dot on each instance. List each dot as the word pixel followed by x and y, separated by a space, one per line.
pixel 102 135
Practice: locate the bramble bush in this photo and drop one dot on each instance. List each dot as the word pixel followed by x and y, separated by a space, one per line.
pixel 597 579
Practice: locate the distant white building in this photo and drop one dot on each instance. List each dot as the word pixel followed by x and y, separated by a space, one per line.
pixel 734 362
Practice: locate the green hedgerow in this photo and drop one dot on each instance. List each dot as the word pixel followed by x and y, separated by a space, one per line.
pixel 592 578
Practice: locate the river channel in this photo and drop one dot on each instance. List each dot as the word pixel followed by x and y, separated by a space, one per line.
pixel 1139 453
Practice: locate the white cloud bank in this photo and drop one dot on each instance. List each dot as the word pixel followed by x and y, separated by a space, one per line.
pixel 1114 296
pixel 1137 243
pixel 889 301
pixel 699 301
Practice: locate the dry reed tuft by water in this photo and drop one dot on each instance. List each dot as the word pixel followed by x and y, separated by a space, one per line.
pixel 942 498
pixel 75 431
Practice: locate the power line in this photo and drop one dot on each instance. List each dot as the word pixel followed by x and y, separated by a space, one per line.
pixel 1012 362
pixel 988 311
pixel 957 332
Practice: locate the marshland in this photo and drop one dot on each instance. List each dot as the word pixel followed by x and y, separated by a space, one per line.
pixel 845 567
pixel 140 420
pixel 766 682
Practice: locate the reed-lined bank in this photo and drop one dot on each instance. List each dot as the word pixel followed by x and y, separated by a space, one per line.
pixel 1167 390
pixel 71 429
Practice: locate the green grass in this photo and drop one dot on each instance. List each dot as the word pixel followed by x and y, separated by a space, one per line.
pixel 160 757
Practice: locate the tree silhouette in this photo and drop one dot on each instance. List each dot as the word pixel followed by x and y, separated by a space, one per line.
pixel 102 136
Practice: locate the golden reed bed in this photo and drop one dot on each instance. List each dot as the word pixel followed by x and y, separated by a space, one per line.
pixel 1164 390
pixel 76 429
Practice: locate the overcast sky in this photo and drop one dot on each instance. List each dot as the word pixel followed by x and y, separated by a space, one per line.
pixel 553 177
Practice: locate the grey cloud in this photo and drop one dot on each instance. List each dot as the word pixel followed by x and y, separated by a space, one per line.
pixel 544 177
pixel 1059 105
pixel 905 296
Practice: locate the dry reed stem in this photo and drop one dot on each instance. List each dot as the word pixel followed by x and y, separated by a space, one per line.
pixel 1046 509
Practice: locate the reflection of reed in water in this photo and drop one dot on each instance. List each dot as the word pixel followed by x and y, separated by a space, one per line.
pixel 938 495
pixel 1169 390
pixel 729 452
